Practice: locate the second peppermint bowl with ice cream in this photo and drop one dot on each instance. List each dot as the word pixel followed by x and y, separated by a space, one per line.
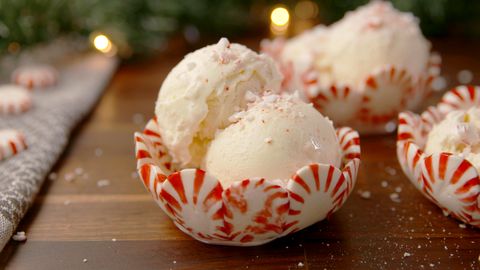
pixel 439 151
pixel 272 164
pixel 362 70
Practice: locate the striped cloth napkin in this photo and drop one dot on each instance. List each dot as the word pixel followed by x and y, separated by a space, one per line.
pixel 47 128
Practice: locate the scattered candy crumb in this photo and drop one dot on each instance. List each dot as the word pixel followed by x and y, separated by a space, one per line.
pixel 98 152
pixel 78 171
pixel 395 197
pixel 439 83
pixel 390 170
pixel 103 183
pixel 69 177
pixel 390 126
pixel 365 194
pixel 138 119
pixel 52 176
pixel 465 76
pixel 19 236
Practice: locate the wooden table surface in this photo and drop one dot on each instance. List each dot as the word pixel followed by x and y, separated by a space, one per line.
pixel 79 225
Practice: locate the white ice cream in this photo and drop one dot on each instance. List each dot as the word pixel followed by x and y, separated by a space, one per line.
pixel 458 133
pixel 272 139
pixel 204 90
pixel 371 37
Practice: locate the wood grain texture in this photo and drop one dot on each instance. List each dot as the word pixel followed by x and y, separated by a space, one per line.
pixel 75 220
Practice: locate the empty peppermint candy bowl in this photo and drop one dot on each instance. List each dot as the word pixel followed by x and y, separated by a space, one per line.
pixel 448 180
pixel 249 212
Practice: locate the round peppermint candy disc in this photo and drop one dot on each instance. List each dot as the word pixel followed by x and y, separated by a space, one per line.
pixel 14 99
pixel 37 76
pixel 11 142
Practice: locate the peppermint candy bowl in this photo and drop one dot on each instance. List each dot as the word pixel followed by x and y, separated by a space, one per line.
pixel 371 107
pixel 448 180
pixel 252 211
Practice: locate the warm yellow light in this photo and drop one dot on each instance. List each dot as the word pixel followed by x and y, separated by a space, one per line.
pixel 280 16
pixel 102 43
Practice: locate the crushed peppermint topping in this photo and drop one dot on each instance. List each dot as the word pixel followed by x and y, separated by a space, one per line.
pixel 222 54
pixel 223 43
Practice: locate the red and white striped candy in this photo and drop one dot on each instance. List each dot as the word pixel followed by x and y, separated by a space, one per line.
pixel 250 211
pixel 39 76
pixel 452 183
pixel 434 64
pixel 314 192
pixel 461 97
pixel 349 141
pixel 11 142
pixel 385 93
pixel 195 201
pixel 14 99
pixel 253 208
pixel 431 116
pixel 329 101
pixel 318 190
pixel 448 180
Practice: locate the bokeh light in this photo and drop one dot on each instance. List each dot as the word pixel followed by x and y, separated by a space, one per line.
pixel 280 16
pixel 102 43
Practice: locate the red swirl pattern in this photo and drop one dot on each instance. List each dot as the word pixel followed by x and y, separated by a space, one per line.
pixel 448 180
pixel 250 211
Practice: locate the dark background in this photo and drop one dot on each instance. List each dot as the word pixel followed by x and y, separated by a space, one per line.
pixel 140 27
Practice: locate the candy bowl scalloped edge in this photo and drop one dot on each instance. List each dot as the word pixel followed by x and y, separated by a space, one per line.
pixel 251 211
pixel 448 180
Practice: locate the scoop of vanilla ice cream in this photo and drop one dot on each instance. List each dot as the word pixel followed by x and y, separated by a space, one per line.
pixel 204 90
pixel 458 133
pixel 371 37
pixel 272 139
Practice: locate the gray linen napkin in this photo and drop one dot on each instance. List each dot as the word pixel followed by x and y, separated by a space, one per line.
pixel 47 127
